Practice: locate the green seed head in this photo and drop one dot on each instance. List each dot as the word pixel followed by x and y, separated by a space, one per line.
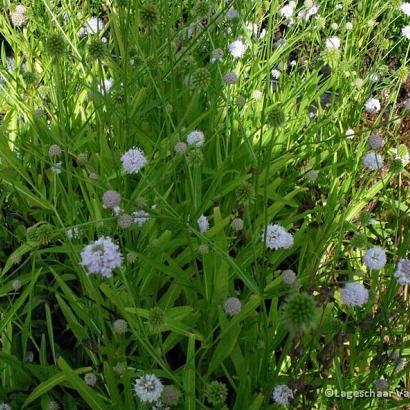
pixel 216 393
pixel 201 79
pixel 201 9
pixel 40 233
pixel 156 317
pixel 277 117
pixel 55 45
pixel 29 77
pixel 396 166
pixel 300 312
pixel 149 16
pixel 170 395
pixel 96 49
pixel 245 193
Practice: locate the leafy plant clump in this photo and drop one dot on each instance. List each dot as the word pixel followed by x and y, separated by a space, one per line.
pixel 204 204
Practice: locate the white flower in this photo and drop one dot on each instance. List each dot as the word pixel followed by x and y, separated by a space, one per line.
pixel 133 160
pixel 372 105
pixel 375 258
pixel 237 48
pixel 275 74
pixel 257 95
pixel 333 43
pixel 405 32
pixel 92 26
pixel 373 160
pixel 349 26
pixel 148 388
pixel 354 294
pixel 232 306
pixel 140 217
pixel 203 223
pixel 101 256
pixel 196 138
pixel 277 237
pixel 288 276
pixel 105 86
pixel 281 394
pixel 405 8
pixel 232 14
pixel 349 133
pixel 287 11
pixel 402 273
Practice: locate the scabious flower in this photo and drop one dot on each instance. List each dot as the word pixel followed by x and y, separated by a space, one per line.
pixel 237 48
pixel 354 294
pixel 281 394
pixel 170 395
pixel 54 150
pixel 140 217
pixel 287 10
pixel 232 306
pixel 216 393
pixel 217 55
pixel 402 273
pixel 375 258
pixel 373 160
pixel 405 32
pixel 230 78
pixel 133 160
pixel 372 105
pixel 18 19
pixel 92 26
pixel 16 285
pixel 90 379
pixel 332 43
pixel 196 138
pixel 375 141
pixel 405 8
pixel 237 224
pixel 277 237
pixel 111 199
pixel 310 10
pixel 120 326
pixel 288 276
pixel 101 257
pixel 180 147
pixel 148 388
pixel 105 86
pixel 203 223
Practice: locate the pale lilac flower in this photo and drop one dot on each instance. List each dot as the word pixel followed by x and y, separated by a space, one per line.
pixel 332 43
pixel 101 257
pixel 287 11
pixel 402 273
pixel 237 48
pixel 373 160
pixel 111 199
pixel 232 14
pixel 405 8
pixel 148 388
pixel 405 32
pixel 354 294
pixel 217 55
pixel 90 379
pixel 180 147
pixel 196 138
pixel 372 105
pixel 282 394
pixel 288 276
pixel 277 237
pixel 203 223
pixel 232 306
pixel 133 160
pixel 230 78
pixel 375 141
pixel 375 258
pixel 140 217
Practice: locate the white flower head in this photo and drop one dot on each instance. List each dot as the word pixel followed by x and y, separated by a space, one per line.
pixel 354 294
pixel 105 86
pixel 237 48
pixel 288 276
pixel 332 43
pixel 101 257
pixel 375 141
pixel 372 105
pixel 405 32
pixel 93 25
pixel 287 11
pixel 275 74
pixel 281 394
pixel 203 223
pixel 402 273
pixel 148 388
pixel 232 14
pixel 373 160
pixel 375 258
pixel 133 160
pixel 405 8
pixel 140 217
pixel 232 306
pixel 196 138
pixel 277 237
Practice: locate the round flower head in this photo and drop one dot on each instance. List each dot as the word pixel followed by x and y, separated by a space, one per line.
pixel 354 294
pixel 288 276
pixel 230 78
pixel 275 74
pixel 16 285
pixel 300 312
pixel 148 388
pixel 232 14
pixel 216 393
pixel 405 8
pixel 375 258
pixel 18 19
pixel 196 138
pixel 93 25
pixel 133 160
pixel 281 394
pixel 381 385
pixel 237 224
pixel 287 11
pixel 277 237
pixel 101 257
pixel 405 32
pixel 332 43
pixel 237 48
pixel 170 395
pixel 203 223
pixel 372 105
pixel 140 217
pixel 402 273
pixel 90 379
pixel 180 147
pixel 232 306
pixel 54 150
pixel 20 8
pixel 120 326
pixel 111 199
pixel 217 55
pixel 124 221
pixel 373 160
pixel 375 141
pixel 312 175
